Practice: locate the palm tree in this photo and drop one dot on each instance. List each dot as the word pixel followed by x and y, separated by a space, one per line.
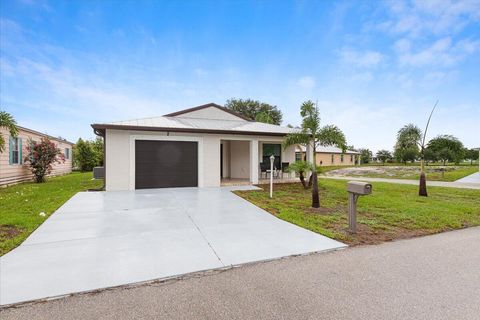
pixel 302 168
pixel 313 135
pixel 9 123
pixel 384 155
pixel 411 136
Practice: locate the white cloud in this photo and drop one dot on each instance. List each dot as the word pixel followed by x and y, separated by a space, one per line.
pixel 442 52
pixel 430 17
pixel 365 59
pixel 306 82
pixel 72 87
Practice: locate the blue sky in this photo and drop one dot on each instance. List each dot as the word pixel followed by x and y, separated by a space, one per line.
pixel 373 66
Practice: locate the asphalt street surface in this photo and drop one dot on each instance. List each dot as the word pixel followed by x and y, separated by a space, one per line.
pixel 433 277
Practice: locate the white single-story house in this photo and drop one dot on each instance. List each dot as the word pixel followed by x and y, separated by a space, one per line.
pixel 194 147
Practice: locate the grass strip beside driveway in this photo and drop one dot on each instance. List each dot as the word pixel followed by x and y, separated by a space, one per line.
pixel 21 205
pixel 393 211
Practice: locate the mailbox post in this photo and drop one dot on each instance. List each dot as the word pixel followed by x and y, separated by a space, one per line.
pixel 355 189
pixel 272 159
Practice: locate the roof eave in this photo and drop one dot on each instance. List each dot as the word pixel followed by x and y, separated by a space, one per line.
pixel 46 135
pixel 99 127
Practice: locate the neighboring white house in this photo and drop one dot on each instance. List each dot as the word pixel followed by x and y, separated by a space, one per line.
pixel 193 147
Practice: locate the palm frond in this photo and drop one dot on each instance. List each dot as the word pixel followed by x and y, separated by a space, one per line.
pixel 9 123
pixel 296 138
pixel 331 136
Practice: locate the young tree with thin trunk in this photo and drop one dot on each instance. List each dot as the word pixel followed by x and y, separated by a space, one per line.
pixel 313 135
pixel 411 137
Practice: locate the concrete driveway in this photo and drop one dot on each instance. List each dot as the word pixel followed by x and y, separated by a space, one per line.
pixel 104 239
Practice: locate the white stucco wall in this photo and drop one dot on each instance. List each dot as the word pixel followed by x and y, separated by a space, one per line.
pixel 211 163
pixel 288 155
pixel 120 155
pixel 240 159
pixel 210 113
pixel 117 170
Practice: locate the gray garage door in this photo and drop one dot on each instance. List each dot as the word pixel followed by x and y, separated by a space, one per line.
pixel 164 164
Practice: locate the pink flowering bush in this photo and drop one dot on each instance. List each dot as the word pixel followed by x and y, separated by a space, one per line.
pixel 41 156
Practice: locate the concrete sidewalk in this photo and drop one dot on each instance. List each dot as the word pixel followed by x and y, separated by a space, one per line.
pixel 473 178
pixel 434 277
pixel 455 184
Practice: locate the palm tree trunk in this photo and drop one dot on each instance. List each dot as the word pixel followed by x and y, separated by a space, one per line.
pixel 422 189
pixel 302 179
pixel 315 195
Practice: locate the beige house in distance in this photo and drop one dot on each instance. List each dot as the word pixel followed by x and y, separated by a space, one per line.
pixel 331 156
pixel 12 168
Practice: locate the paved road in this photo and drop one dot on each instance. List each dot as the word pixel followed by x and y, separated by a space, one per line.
pixel 435 277
pixel 455 184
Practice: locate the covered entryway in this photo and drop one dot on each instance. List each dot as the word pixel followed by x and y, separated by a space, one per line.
pixel 164 164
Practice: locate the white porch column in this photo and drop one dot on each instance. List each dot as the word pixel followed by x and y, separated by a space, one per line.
pixel 309 155
pixel 254 162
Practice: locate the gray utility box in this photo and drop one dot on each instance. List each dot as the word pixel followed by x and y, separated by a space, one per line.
pixel 98 172
pixel 359 187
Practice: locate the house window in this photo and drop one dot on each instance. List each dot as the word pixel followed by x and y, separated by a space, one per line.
pixel 298 156
pixel 276 151
pixel 351 158
pixel 15 150
pixel 341 158
pixel 333 158
pixel 67 153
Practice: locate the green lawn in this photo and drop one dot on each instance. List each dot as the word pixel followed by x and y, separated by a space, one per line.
pixel 21 205
pixel 393 211
pixel 409 172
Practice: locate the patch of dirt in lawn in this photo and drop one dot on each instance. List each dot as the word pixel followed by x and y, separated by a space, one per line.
pixel 320 210
pixel 387 171
pixel 366 235
pixel 9 232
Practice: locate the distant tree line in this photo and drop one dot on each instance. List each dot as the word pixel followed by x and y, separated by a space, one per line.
pixel 443 148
